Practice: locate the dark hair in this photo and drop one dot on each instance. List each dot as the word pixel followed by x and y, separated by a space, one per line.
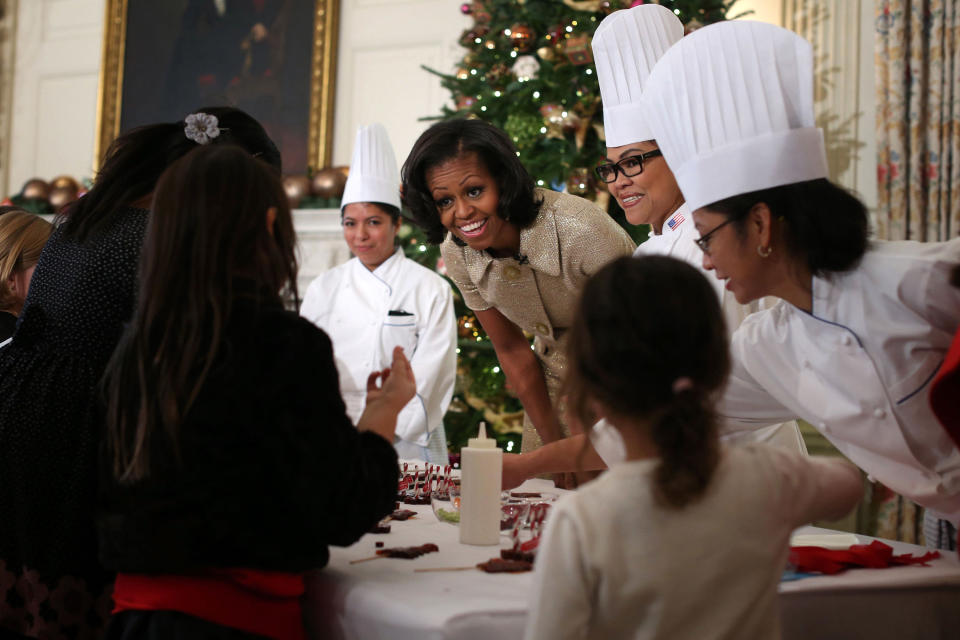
pixel 135 160
pixel 7 208
pixel 451 139
pixel 206 239
pixel 388 209
pixel 823 224
pixel 648 342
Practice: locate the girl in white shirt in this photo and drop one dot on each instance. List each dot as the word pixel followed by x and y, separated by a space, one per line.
pixel 687 538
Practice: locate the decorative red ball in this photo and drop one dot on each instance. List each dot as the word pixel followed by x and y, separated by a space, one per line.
pixel 522 37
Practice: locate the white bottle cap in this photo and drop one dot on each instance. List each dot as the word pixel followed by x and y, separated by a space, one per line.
pixel 482 441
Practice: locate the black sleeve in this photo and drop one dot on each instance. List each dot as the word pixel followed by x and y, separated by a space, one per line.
pixel 342 481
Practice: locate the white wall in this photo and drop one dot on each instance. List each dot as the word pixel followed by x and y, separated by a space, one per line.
pixel 379 79
pixel 56 68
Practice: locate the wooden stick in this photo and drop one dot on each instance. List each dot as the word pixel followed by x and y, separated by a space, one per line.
pixel 445 569
pixel 368 559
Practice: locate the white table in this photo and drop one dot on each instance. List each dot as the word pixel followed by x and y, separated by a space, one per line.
pixel 385 598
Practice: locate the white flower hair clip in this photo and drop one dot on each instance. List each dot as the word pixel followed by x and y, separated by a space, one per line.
pixel 201 127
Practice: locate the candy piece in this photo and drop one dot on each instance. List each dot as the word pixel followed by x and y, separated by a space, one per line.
pixel 378 544
pixel 403 514
pixel 511 554
pixel 499 565
pixel 408 552
pixel 380 528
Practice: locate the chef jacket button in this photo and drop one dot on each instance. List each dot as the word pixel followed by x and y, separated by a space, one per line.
pixel 879 413
pixel 846 340
pixel 541 328
pixel 871 479
pixel 511 272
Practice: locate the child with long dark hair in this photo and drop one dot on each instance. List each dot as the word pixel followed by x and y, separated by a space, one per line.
pixel 686 539
pixel 231 463
pixel 81 294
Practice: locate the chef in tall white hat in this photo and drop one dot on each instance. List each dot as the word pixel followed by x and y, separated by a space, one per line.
pixel 380 299
pixel 626 46
pixel 860 327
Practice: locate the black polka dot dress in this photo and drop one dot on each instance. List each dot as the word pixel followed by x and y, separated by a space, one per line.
pixel 51 422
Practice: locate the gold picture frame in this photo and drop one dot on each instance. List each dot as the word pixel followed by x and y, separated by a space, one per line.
pixel 321 92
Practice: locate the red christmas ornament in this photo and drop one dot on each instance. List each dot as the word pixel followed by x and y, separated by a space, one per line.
pixel 522 37
pixel 555 33
pixel 466 9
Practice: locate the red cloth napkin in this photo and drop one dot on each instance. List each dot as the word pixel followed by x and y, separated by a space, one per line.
pixel 875 555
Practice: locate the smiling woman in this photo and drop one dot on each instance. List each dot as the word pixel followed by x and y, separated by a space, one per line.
pixel 519 255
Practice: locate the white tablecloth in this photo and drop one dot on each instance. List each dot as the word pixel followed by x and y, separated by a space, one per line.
pixel 385 598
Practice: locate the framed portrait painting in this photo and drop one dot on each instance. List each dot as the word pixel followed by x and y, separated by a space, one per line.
pixel 275 59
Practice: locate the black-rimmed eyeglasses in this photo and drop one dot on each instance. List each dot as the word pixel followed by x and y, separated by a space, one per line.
pixel 704 241
pixel 629 166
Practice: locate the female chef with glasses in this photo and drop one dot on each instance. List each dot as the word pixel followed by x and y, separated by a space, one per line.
pixel 860 328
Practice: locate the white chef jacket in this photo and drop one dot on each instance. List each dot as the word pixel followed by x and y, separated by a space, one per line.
pixel 367 313
pixel 858 368
pixel 678 240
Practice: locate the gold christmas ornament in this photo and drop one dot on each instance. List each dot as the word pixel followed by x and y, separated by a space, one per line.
pixel 65 181
pixel 462 73
pixel 297 187
pixel 553 116
pixel 328 183
pixel 35 189
pixel 546 53
pixel 62 196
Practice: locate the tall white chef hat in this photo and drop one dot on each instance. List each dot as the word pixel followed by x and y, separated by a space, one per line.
pixel 731 108
pixel 626 45
pixel 374 176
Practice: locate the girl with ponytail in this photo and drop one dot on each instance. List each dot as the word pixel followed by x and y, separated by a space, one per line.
pixel 638 551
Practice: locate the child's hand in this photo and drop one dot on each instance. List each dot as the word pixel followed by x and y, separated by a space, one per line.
pixel 397 383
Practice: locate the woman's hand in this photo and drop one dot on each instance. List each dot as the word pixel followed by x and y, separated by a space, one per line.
pixel 384 401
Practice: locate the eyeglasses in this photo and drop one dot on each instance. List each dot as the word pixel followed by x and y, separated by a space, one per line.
pixel 629 166
pixel 704 241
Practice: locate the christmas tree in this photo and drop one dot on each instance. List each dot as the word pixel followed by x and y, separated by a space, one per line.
pixel 528 69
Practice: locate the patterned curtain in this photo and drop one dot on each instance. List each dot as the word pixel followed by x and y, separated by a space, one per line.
pixel 918 119
pixel 918 159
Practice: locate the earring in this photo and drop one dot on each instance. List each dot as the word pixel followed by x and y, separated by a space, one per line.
pixel 764 252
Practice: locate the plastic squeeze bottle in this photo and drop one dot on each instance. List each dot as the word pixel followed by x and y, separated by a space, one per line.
pixel 482 464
